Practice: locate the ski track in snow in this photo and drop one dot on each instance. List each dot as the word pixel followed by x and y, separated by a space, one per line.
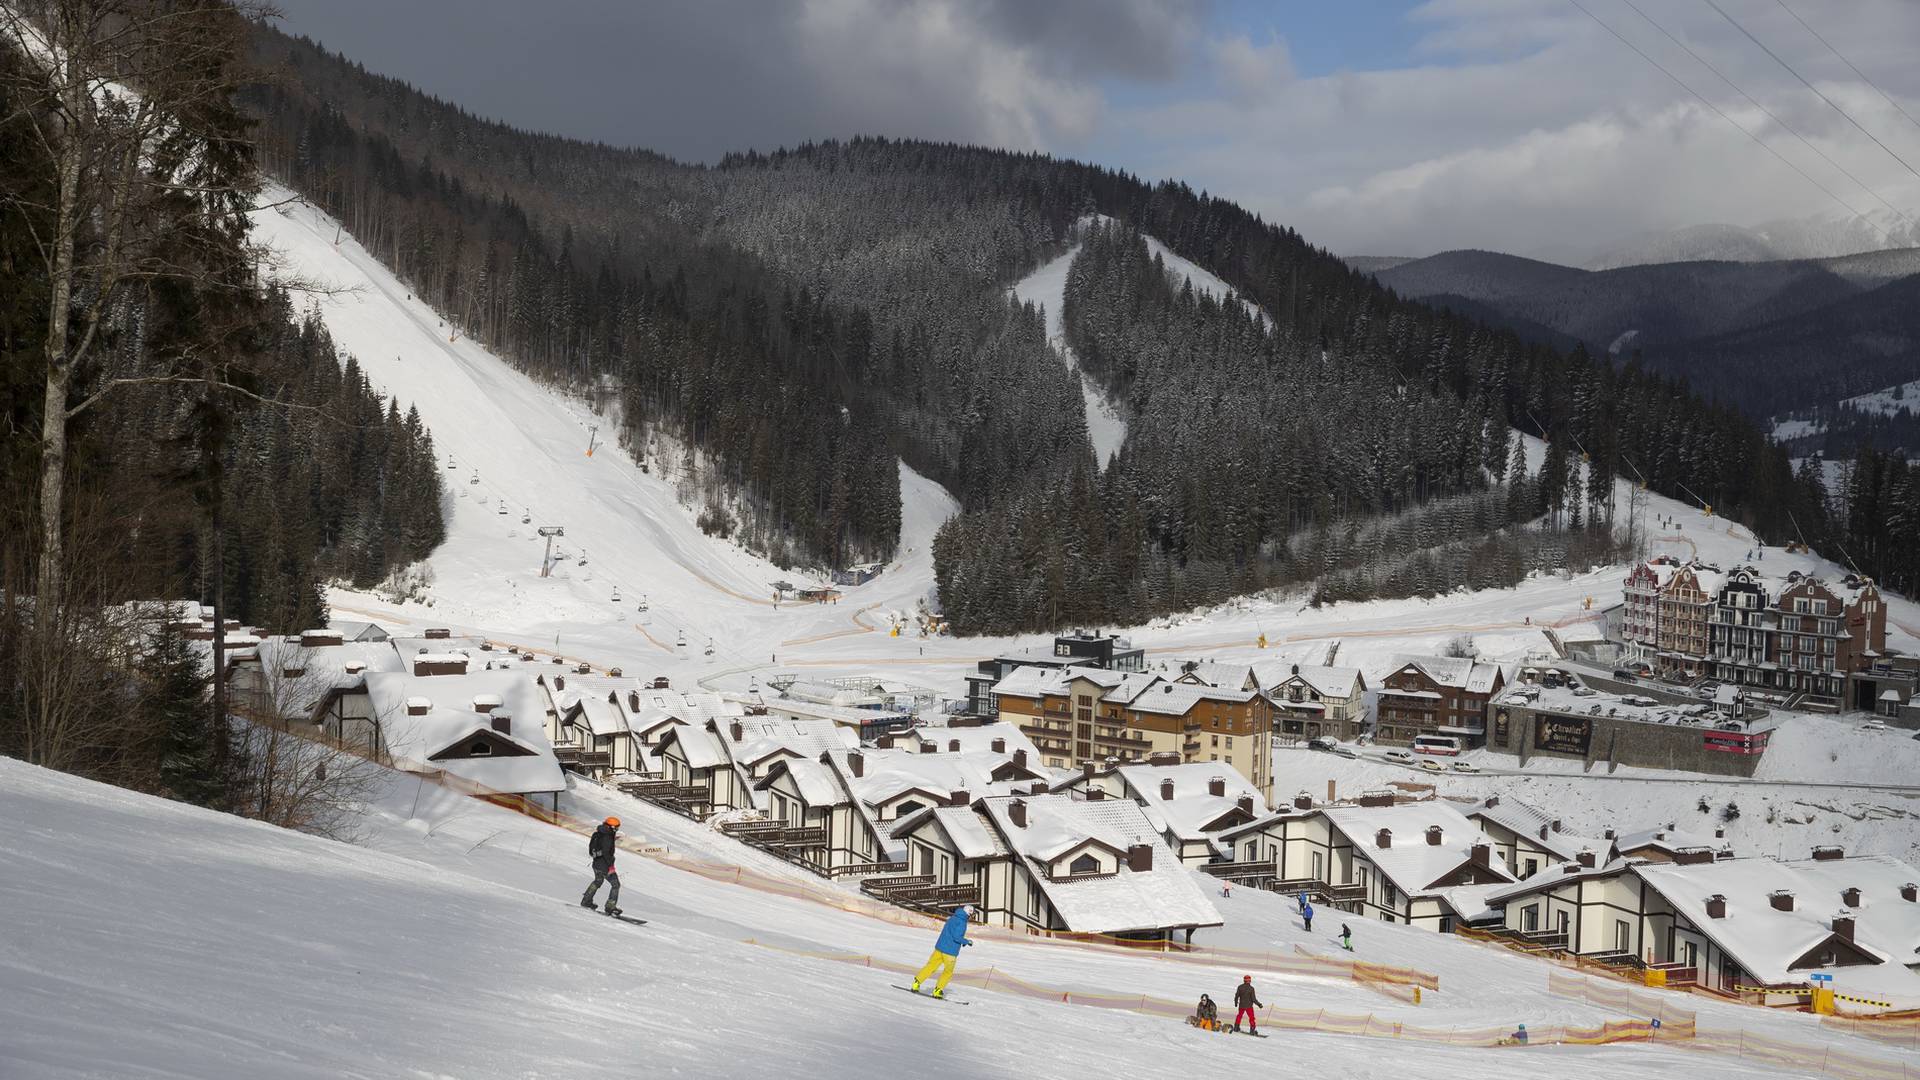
pixel 1046 288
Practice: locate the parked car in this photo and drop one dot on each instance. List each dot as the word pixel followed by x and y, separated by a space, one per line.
pixel 1404 757
pixel 1431 765
pixel 1465 766
pixel 1873 725
pixel 1343 750
pixel 1321 742
pixel 1623 675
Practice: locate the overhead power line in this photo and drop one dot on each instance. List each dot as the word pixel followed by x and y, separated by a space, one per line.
pixel 1864 186
pixel 1721 113
pixel 1863 75
pixel 1816 90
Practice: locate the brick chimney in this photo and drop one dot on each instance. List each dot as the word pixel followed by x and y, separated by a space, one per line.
pixel 927 748
pixel 1246 804
pixel 502 723
pixel 418 706
pixel 1556 824
pixel 438 633
pixel 1140 858
pixel 1781 899
pixel 1086 769
pixel 1910 892
pixel 1588 859
pixel 1166 790
pixel 1493 801
pixel 999 746
pixel 633 701
pixel 856 763
pixel 1543 832
pixel 1608 834
pixel 953 746
pixel 1481 854
pixel 1017 813
pixel 1692 856
pixel 1843 926
pixel 356 667
pixel 1095 794
pixel 1850 897
pixel 1716 906
pixel 1019 759
pixel 1039 788
pixel 317 639
pixel 1217 787
pixel 1375 798
pixel 1383 839
pixel 1825 854
pixel 1303 801
pixel 293 671
pixel 736 731
pixel 1433 835
pixel 559 683
pixel 485 703
pixel 960 797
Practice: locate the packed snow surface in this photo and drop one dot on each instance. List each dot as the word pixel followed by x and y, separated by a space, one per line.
pixel 1047 289
pixel 148 938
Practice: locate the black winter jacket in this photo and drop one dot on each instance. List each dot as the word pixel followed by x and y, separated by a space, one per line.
pixel 1243 997
pixel 601 846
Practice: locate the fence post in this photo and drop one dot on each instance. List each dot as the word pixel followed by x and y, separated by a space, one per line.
pixel 989 981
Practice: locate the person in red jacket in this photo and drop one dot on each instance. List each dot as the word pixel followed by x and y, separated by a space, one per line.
pixel 1244 1002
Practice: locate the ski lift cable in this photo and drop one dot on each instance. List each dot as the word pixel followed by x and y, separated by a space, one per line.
pixel 1863 185
pixel 1722 114
pixel 1863 75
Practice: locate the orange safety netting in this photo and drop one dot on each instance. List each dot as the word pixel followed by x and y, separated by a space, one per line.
pixel 1396 982
pixel 1364 1025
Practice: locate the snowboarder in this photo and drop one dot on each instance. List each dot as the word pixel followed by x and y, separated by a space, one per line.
pixel 1306 912
pixel 1226 890
pixel 601 849
pixel 1519 1036
pixel 1346 937
pixel 1206 1015
pixel 946 951
pixel 1244 1002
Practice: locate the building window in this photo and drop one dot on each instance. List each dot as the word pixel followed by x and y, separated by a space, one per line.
pixel 1085 864
pixel 1530 918
pixel 1622 936
pixel 1533 867
pixel 480 748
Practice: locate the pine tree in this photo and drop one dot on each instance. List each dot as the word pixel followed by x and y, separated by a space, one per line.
pixel 173 708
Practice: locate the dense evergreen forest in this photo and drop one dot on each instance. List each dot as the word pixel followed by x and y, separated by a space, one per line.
pixel 174 427
pixel 802 316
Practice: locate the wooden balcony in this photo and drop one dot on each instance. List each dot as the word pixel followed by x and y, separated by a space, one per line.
pixel 865 869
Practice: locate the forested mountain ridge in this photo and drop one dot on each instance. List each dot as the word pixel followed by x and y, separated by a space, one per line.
pixel 801 316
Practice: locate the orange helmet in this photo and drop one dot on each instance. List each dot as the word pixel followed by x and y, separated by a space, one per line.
pixel 614 821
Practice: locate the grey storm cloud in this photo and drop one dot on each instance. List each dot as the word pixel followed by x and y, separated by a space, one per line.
pixel 697 79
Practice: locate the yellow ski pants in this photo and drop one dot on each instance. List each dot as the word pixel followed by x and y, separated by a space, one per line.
pixel 940 962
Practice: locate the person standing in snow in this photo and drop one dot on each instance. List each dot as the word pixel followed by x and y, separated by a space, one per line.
pixel 1306 912
pixel 1244 1002
pixel 600 848
pixel 1346 937
pixel 946 951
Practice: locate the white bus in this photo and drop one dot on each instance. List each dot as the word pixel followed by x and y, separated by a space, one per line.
pixel 1445 745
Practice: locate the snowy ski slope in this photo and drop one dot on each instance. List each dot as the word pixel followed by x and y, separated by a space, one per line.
pixel 151 939
pixel 1047 289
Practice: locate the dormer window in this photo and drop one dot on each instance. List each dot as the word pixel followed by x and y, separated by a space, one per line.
pixel 480 748
pixel 1085 864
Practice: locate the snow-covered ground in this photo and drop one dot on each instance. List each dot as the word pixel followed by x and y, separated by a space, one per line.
pixel 1046 288
pixel 148 938
pixel 1888 402
pixel 1203 280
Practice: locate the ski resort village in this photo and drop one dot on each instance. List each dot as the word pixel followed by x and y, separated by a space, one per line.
pixel 492 593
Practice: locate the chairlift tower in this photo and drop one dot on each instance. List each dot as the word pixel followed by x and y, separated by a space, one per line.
pixel 546 561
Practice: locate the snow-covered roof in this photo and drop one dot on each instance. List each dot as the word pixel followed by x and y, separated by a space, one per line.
pixel 409 647
pixel 762 737
pixel 1884 918
pixel 978 738
pixel 1192 809
pixel 1760 937
pixel 450 719
pixel 1409 861
pixel 1165 896
pixel 886 774
pixel 1334 682
pixel 700 748
pixel 1458 672
pixel 1215 673
pixel 1033 682
pixel 1669 839
pixel 602 717
pixel 323 668
pixel 814 780
pixel 1537 826
pixel 1555 876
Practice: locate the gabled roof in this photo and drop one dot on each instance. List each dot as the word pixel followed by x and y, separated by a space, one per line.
pixel 1225 676
pixel 1416 867
pixel 1164 897
pixel 814 780
pixel 699 747
pixel 1335 682
pixel 1668 839
pixel 979 738
pixel 1192 813
pixel 1555 876
pixel 762 737
pixel 450 717
pixel 1772 945
pixel 1457 672
pixel 1536 825
pixel 969 833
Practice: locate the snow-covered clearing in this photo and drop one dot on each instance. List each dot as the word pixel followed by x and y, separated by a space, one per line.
pixel 1204 281
pixel 149 938
pixel 1888 402
pixel 1046 288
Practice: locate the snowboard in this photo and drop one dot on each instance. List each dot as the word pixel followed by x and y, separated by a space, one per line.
pixel 929 997
pixel 623 916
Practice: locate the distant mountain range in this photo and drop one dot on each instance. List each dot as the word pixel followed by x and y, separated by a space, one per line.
pixel 1768 336
pixel 1817 237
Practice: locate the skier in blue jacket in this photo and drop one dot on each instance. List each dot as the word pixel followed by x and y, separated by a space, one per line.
pixel 1306 912
pixel 946 951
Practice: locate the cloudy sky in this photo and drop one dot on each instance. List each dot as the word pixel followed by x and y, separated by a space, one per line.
pixel 1374 127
